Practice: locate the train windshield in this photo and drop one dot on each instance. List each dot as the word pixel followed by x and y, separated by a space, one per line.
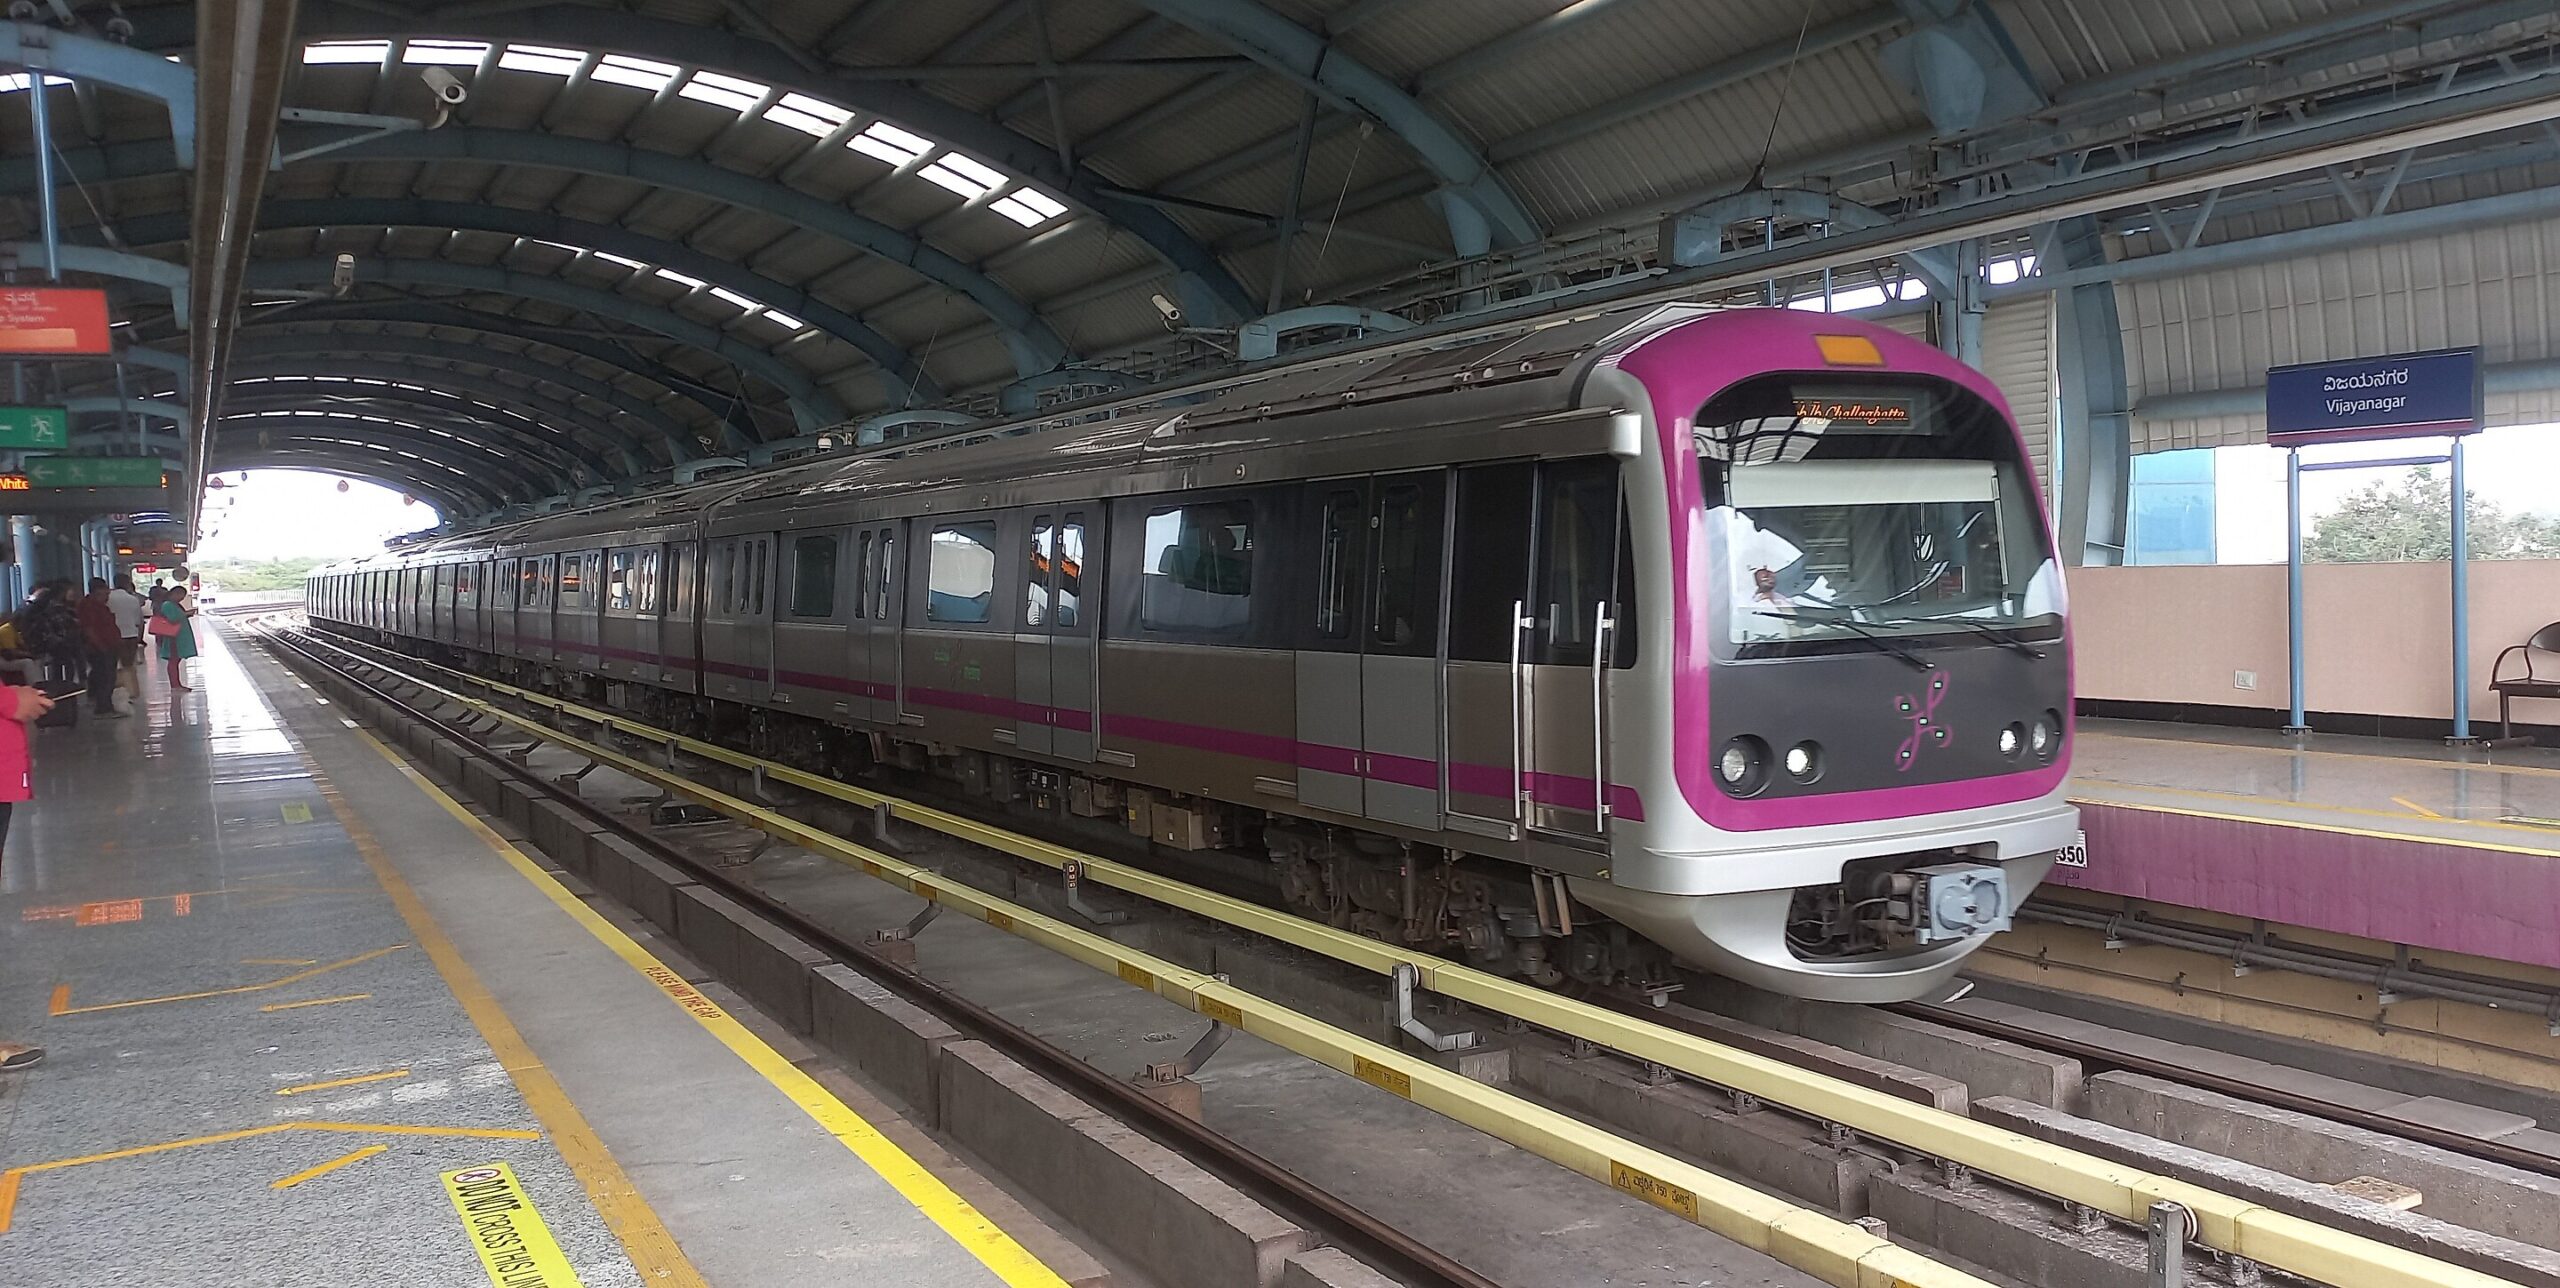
pixel 1848 514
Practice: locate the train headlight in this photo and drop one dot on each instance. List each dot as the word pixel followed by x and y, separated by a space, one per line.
pixel 2013 740
pixel 1744 766
pixel 1804 761
pixel 2046 737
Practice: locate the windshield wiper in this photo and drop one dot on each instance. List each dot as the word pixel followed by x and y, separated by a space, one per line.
pixel 1987 631
pixel 1873 640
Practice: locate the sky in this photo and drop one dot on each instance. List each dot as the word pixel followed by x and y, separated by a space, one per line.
pixel 280 514
pixel 2512 465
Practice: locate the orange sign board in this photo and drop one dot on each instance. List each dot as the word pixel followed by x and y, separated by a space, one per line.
pixel 47 321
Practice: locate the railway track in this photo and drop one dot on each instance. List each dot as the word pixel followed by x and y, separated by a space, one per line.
pixel 2233 1227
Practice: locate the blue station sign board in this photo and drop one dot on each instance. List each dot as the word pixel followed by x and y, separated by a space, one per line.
pixel 2405 395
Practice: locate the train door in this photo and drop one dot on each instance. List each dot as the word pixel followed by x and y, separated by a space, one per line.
pixel 539 630
pixel 871 648
pixel 737 658
pixel 1053 673
pixel 1368 682
pixel 1569 639
pixel 504 634
pixel 677 586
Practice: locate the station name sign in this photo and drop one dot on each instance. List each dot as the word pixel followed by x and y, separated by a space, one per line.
pixel 93 471
pixel 2406 395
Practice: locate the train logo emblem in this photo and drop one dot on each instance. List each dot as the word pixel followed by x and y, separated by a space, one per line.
pixel 1925 729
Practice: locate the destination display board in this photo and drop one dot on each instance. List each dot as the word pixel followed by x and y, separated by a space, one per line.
pixel 54 322
pixel 94 471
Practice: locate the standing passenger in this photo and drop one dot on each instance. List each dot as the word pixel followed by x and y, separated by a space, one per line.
pixel 106 645
pixel 132 611
pixel 17 783
pixel 177 636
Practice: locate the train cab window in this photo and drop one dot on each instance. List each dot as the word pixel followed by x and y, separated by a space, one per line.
pixel 813 577
pixel 960 574
pixel 1489 579
pixel 1067 572
pixel 1338 564
pixel 1196 568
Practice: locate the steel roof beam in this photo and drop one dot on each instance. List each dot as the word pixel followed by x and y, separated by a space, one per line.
pixel 1467 180
pixel 898 367
pixel 451 494
pixel 379 355
pixel 448 411
pixel 95 61
pixel 244 51
pixel 412 425
pixel 734 53
pixel 811 406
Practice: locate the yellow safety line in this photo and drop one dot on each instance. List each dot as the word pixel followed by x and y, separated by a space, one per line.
pixel 335 1083
pixel 645 1239
pixel 10 1179
pixel 279 961
pixel 2408 804
pixel 62 994
pixel 317 1001
pixel 286 1183
pixel 2234 1225
pixel 983 1239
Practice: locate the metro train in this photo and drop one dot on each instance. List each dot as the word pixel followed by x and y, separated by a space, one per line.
pixel 1733 633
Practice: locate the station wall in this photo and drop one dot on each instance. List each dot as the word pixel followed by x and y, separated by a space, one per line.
pixel 2379 636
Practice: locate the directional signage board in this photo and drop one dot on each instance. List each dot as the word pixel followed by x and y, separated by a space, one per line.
pixel 2406 395
pixel 35 427
pixel 53 321
pixel 94 471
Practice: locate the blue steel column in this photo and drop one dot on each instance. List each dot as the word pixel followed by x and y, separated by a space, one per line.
pixel 2461 601
pixel 2293 584
pixel 22 540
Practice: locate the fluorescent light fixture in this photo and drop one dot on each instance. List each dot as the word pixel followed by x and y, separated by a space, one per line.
pixel 1029 207
pixel 689 283
pixel 944 176
pixel 889 143
pixel 617 259
pixel 541 59
pixel 784 320
pixel 734 298
pixel 727 91
pixel 638 73
pixel 345 51
pixel 448 53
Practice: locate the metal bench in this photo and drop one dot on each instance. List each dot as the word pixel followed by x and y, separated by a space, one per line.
pixel 2528 685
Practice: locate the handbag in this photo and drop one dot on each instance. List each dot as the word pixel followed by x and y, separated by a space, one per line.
pixel 162 627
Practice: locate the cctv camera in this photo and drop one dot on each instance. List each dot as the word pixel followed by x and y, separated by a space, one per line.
pixel 448 90
pixel 1172 312
pixel 342 277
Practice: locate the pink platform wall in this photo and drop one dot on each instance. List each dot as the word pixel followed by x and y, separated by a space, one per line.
pixel 2379 638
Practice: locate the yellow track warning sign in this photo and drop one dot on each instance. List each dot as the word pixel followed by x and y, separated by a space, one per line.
pixel 515 1247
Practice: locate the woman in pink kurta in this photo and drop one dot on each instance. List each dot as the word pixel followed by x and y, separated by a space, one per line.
pixel 18 706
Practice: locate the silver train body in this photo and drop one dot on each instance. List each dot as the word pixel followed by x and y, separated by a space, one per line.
pixel 1734 633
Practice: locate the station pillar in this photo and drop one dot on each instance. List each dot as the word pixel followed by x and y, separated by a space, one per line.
pixel 22 542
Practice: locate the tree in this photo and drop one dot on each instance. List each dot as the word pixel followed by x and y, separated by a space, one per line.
pixel 261 574
pixel 2411 520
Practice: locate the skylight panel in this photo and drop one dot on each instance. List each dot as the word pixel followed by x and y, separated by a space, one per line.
pixel 448 53
pixel 785 321
pixel 638 73
pixel 15 81
pixel 733 297
pixel 346 51
pixel 889 143
pixel 1029 207
pixel 541 59
pixel 726 91
pixel 946 173
pixel 690 283
pixel 617 259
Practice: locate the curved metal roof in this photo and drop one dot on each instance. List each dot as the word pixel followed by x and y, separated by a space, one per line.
pixel 671 229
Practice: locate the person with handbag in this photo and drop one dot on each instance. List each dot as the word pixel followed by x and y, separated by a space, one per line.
pixel 19 705
pixel 98 627
pixel 171 625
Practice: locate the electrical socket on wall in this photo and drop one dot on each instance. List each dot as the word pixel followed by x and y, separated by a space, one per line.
pixel 2244 680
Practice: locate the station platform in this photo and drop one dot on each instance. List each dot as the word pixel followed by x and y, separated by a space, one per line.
pixel 2398 841
pixel 309 1021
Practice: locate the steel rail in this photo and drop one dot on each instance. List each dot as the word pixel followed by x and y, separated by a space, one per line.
pixel 2224 1222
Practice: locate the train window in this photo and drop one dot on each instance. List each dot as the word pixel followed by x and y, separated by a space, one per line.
pixel 885 577
pixel 1490 581
pixel 724 558
pixel 1580 558
pixel 569 577
pixel 1338 564
pixel 1404 605
pixel 528 578
pixel 862 576
pixel 813 577
pixel 1035 580
pixel 1068 570
pixel 960 574
pixel 644 580
pixel 620 595
pixel 759 572
pixel 1196 569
